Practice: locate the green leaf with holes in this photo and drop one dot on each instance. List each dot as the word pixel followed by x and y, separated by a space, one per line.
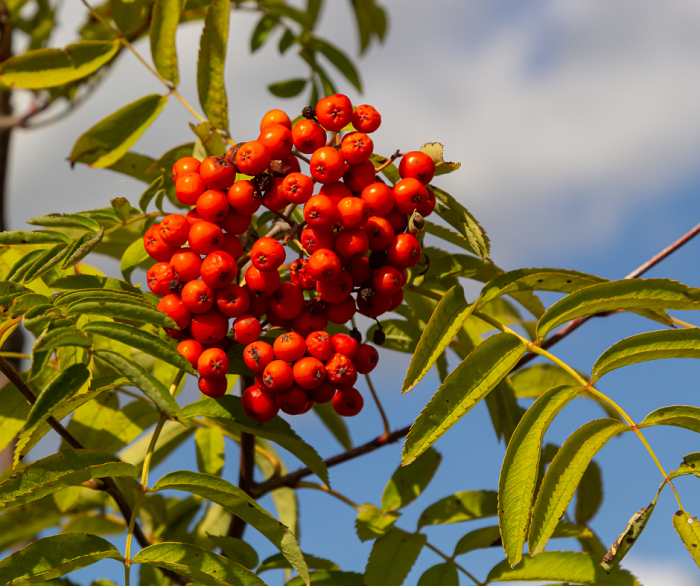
pixel 44 68
pixel 470 382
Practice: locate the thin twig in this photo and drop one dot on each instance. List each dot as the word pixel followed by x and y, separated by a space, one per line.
pixel 385 420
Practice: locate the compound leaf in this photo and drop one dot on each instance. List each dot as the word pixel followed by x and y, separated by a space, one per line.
pixel 392 557
pixel 563 476
pixel 516 485
pixel 51 474
pixel 626 294
pixel 470 382
pixel 447 318
pixel 107 142
pixel 55 556
pixel 239 503
pixel 648 346
pixel 210 64
pixel 202 565
pixel 44 68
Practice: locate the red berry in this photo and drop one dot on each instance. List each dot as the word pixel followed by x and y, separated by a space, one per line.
pixel 278 140
pixel 359 176
pixel 174 308
pixel 360 271
pixel 404 251
pixel 351 243
pixel 348 402
pixel 321 213
pixel 246 329
pixel 366 118
pixel 410 194
pixel 319 345
pixel 276 116
pixel 356 147
pixel 297 188
pixel 345 345
pixel 218 269
pixel 327 165
pixel 293 401
pixel 287 301
pixel 324 265
pixel 387 280
pixel 184 166
pixel 353 211
pixel 373 303
pixel 186 265
pixel 379 198
pixel 213 388
pixel 233 300
pixel 191 350
pixel 336 191
pixel 274 199
pixel 188 188
pixel 213 364
pixel 334 112
pixel 340 313
pixel 257 356
pixel 174 229
pixel 339 369
pixel 267 254
pixel 232 245
pixel 308 321
pixel 259 405
pixel 277 376
pixel 379 232
pixel 312 239
pixel 324 392
pixel 396 300
pixel 205 237
pixel 308 136
pixel 235 223
pixel 243 197
pixel 309 372
pixel 197 296
pixel 217 172
pixel 366 359
pixel 299 276
pixel 398 221
pixel 253 158
pixel 417 165
pixel 157 248
pixel 289 347
pixel 263 283
pixel 209 327
pixel 336 290
pixel 158 278
pixel 426 208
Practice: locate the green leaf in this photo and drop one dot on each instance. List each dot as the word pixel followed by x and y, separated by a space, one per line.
pixel 408 482
pixel 14 409
pixel 134 256
pixel 210 138
pixel 558 280
pixel 341 61
pixel 440 575
pixel 95 524
pixel 55 472
pixel 516 486
pixel 560 566
pixel 228 412
pixel 261 31
pixel 683 416
pixel 334 423
pixel 288 88
pixel 33 237
pixel 121 207
pixel 589 494
pixel 172 436
pixel 76 221
pixel 470 382
pixel 239 503
pixel 392 558
pixel 373 522
pixel 479 539
pixel 391 172
pixel 533 381
pixel 48 342
pixel 55 556
pixel 122 310
pixel 89 293
pixel 106 142
pixel 688 529
pixel 209 443
pixel 202 565
pixel 81 248
pixel 690 465
pixel 627 539
pixel 627 294
pixel 286 40
pixel 563 476
pixel 449 235
pixel 22 266
pixel 462 506
pixel 278 561
pixel 504 410
pixel 143 380
pixel 449 315
pixel 150 193
pixel 141 340
pixel 44 68
pixel 648 346
pixel 236 550
pixel 64 385
pixel 455 214
pixel 47 261
pixel 210 64
pixel 166 16
pixel 129 15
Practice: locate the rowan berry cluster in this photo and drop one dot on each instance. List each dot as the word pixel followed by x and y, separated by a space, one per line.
pixel 353 255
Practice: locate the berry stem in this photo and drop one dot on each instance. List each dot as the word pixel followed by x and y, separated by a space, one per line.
pixel 298 155
pixel 385 420
pixel 388 162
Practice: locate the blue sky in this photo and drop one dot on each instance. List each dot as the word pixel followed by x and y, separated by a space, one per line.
pixel 578 131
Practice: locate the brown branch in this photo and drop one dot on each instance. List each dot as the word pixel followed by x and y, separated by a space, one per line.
pixel 636 273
